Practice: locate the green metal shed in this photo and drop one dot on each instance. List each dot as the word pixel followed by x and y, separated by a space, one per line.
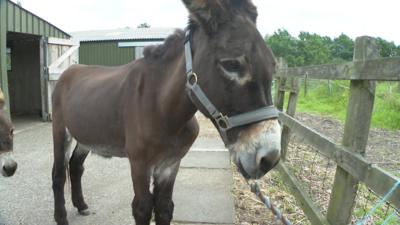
pixel 33 53
pixel 117 46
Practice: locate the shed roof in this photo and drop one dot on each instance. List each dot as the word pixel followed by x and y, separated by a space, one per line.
pixel 20 20
pixel 123 34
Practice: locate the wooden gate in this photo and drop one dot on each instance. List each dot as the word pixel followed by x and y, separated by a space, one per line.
pixel 57 56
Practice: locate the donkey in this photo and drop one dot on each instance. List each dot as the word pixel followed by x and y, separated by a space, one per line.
pixel 145 110
pixel 7 165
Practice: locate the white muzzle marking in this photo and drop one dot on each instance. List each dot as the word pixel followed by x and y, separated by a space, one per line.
pixel 257 148
pixel 8 162
pixel 265 134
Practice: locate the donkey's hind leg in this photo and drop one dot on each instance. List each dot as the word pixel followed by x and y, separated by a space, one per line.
pixel 60 141
pixel 76 170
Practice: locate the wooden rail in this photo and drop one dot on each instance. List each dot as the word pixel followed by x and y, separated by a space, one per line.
pixel 384 69
pixel 352 167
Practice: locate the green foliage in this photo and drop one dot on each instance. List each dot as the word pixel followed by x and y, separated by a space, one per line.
pixel 342 48
pixel 313 49
pixel 332 100
pixel 387 106
pixel 388 49
pixel 326 99
pixel 285 46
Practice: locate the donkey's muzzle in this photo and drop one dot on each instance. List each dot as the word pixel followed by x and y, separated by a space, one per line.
pixel 256 165
pixel 9 167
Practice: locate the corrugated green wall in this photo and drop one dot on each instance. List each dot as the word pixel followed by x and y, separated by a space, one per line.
pixel 106 53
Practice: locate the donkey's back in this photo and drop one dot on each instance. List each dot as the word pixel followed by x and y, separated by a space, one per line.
pixel 89 102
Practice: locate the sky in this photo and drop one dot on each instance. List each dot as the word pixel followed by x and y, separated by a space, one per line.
pixel 324 17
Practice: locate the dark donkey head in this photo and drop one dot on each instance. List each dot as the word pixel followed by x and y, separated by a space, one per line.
pixel 234 68
pixel 7 165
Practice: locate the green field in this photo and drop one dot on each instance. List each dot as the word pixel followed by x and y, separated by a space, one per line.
pixel 331 99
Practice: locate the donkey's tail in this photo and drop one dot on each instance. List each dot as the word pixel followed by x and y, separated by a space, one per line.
pixel 69 146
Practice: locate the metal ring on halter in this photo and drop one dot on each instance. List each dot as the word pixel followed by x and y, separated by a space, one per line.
pixel 192 79
pixel 222 122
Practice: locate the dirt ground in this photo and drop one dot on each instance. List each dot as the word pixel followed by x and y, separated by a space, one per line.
pixel 312 170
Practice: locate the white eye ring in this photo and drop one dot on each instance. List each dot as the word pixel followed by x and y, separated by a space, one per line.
pixel 234 70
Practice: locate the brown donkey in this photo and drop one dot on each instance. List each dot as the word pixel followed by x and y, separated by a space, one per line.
pixel 7 165
pixel 145 110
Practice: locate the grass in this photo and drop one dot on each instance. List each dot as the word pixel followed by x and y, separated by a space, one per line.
pixel 332 100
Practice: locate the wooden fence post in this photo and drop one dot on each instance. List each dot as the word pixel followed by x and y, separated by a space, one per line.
pixel 294 88
pixel 358 120
pixel 280 83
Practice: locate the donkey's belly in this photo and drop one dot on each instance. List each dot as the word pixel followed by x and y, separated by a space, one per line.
pixel 105 150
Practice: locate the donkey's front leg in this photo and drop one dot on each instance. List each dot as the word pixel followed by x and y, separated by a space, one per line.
pixel 142 205
pixel 164 180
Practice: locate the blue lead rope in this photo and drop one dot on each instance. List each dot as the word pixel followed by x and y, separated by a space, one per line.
pixel 379 204
pixel 255 188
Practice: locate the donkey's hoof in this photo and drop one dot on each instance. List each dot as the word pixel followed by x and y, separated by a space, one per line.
pixel 64 222
pixel 85 212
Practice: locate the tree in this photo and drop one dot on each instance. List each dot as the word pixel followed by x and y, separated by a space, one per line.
pixel 314 48
pixel 387 49
pixel 285 46
pixel 307 49
pixel 144 25
pixel 342 48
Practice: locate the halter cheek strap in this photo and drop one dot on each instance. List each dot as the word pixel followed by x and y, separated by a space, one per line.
pixel 223 122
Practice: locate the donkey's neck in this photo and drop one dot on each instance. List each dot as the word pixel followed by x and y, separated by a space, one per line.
pixel 173 101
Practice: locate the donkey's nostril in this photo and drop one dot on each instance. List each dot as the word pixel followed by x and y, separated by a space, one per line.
pixel 9 169
pixel 269 160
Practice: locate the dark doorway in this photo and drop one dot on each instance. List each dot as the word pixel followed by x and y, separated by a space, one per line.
pixel 24 78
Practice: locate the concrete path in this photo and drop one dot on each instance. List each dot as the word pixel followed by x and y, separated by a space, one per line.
pixel 202 193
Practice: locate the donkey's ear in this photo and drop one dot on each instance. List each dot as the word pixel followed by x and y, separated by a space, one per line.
pixel 247 7
pixel 2 99
pixel 207 13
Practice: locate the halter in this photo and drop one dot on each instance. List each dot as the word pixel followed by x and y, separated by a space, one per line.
pixel 223 122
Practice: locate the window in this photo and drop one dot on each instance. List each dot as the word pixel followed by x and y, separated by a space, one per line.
pixel 139 52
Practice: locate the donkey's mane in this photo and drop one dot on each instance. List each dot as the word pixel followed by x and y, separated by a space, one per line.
pixel 171 47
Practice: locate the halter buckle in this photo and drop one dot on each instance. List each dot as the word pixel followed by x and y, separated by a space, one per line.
pixel 222 121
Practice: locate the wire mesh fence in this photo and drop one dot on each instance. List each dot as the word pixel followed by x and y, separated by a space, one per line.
pixel 316 172
pixel 364 213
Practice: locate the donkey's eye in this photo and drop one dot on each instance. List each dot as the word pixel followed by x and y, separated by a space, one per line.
pixel 236 69
pixel 231 65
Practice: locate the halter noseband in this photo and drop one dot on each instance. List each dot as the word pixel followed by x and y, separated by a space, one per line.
pixel 223 122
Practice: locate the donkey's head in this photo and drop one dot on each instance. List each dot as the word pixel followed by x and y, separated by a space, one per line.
pixel 7 165
pixel 235 68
